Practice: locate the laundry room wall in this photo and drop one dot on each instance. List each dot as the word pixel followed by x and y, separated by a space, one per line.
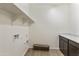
pixel 50 21
pixel 9 45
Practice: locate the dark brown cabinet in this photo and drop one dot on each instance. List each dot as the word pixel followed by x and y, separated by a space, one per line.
pixel 65 48
pixel 73 48
pixel 63 44
pixel 68 47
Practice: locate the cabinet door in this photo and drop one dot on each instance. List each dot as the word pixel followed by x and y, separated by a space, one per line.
pixel 73 48
pixel 65 48
pixel 61 44
pixel 73 51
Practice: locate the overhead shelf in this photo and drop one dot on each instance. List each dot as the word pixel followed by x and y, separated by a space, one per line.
pixel 16 13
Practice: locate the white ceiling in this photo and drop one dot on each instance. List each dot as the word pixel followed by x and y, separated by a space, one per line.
pixel 49 4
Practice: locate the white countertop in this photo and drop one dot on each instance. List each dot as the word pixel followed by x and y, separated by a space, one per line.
pixel 71 37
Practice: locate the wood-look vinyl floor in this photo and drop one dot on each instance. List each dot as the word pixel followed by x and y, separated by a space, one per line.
pixel 52 52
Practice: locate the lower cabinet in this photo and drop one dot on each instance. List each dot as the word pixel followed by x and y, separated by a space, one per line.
pixel 63 45
pixel 68 47
pixel 65 48
pixel 73 48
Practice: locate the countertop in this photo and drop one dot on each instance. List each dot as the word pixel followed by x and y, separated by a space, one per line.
pixel 71 37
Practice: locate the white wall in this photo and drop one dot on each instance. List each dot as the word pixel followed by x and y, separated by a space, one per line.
pixel 51 19
pixel 75 17
pixel 9 45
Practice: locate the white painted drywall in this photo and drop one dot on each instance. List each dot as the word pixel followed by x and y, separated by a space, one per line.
pixel 51 19
pixel 75 17
pixel 9 45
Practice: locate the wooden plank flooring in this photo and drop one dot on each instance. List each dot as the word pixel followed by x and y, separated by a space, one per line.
pixel 53 52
